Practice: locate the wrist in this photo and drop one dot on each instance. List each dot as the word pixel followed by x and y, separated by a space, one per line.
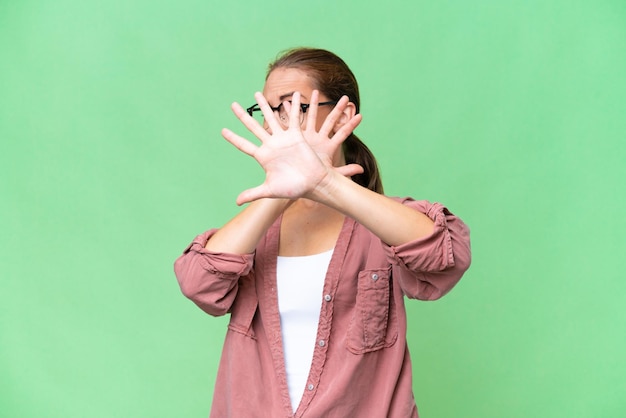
pixel 328 188
pixel 269 204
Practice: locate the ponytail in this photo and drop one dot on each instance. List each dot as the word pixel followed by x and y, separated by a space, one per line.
pixel 356 152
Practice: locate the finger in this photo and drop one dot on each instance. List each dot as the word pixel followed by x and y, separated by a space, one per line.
pixel 350 170
pixel 241 143
pixel 347 128
pixel 268 113
pixel 333 116
pixel 311 118
pixel 248 121
pixel 287 106
pixel 294 111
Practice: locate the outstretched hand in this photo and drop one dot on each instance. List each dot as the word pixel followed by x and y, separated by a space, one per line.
pixel 297 162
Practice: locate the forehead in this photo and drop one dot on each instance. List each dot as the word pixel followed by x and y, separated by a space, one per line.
pixel 283 82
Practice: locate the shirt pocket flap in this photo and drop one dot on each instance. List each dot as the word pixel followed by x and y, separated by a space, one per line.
pixel 373 326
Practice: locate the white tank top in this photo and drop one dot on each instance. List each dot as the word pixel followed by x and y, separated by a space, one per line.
pixel 300 283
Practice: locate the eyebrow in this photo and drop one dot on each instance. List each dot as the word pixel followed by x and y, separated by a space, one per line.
pixel 287 95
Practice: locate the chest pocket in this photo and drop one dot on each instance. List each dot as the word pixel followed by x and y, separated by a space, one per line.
pixel 374 323
pixel 244 307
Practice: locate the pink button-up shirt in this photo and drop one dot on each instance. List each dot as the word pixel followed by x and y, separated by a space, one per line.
pixel 361 365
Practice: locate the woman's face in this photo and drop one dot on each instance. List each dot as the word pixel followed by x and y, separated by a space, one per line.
pixel 282 83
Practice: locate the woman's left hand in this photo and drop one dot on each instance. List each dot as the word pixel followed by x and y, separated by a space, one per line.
pixel 327 141
pixel 296 162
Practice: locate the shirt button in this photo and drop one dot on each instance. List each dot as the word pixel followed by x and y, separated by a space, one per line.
pixel 328 298
pixel 322 343
pixel 374 276
pixel 310 387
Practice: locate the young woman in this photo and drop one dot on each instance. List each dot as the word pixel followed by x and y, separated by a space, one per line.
pixel 315 269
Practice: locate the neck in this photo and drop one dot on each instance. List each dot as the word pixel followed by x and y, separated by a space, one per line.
pixel 309 227
pixel 309 209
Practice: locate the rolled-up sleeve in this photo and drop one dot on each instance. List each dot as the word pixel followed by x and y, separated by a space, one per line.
pixel 208 278
pixel 429 267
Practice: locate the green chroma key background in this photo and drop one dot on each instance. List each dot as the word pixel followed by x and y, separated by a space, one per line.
pixel 512 113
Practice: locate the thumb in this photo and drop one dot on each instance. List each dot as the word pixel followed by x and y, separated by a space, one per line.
pixel 253 194
pixel 350 170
